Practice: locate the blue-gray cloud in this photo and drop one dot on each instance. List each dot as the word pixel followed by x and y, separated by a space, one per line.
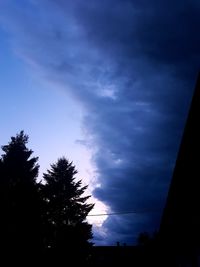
pixel 133 65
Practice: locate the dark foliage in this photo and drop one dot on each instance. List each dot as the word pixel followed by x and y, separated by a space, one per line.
pixel 44 221
pixel 146 240
pixel 19 199
pixel 67 233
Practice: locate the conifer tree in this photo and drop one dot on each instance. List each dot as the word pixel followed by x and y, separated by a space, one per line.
pixel 20 206
pixel 67 230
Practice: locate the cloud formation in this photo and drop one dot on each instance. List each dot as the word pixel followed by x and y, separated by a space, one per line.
pixel 132 64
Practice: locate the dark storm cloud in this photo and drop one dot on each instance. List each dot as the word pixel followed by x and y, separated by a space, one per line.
pixel 133 65
pixel 163 31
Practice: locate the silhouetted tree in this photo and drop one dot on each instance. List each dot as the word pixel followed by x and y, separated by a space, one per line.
pixel 144 239
pixel 19 199
pixel 151 254
pixel 67 231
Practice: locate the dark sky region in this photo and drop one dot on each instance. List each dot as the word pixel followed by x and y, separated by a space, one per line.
pixel 132 65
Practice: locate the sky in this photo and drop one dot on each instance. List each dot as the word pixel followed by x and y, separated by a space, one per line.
pixel 107 84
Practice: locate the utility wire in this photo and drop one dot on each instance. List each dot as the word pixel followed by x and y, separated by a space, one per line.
pixel 120 213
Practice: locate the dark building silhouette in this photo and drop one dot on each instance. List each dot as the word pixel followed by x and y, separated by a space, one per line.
pixel 180 225
pixel 113 256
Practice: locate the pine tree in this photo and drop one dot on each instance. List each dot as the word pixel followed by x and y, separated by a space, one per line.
pixel 67 231
pixel 20 207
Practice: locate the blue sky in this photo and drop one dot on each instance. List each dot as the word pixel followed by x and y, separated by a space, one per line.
pixel 108 84
pixel 47 113
pixel 41 109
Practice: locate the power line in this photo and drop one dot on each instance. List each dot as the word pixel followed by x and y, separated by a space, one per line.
pixel 120 213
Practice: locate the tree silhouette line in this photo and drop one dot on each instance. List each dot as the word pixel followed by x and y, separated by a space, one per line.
pixel 41 220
